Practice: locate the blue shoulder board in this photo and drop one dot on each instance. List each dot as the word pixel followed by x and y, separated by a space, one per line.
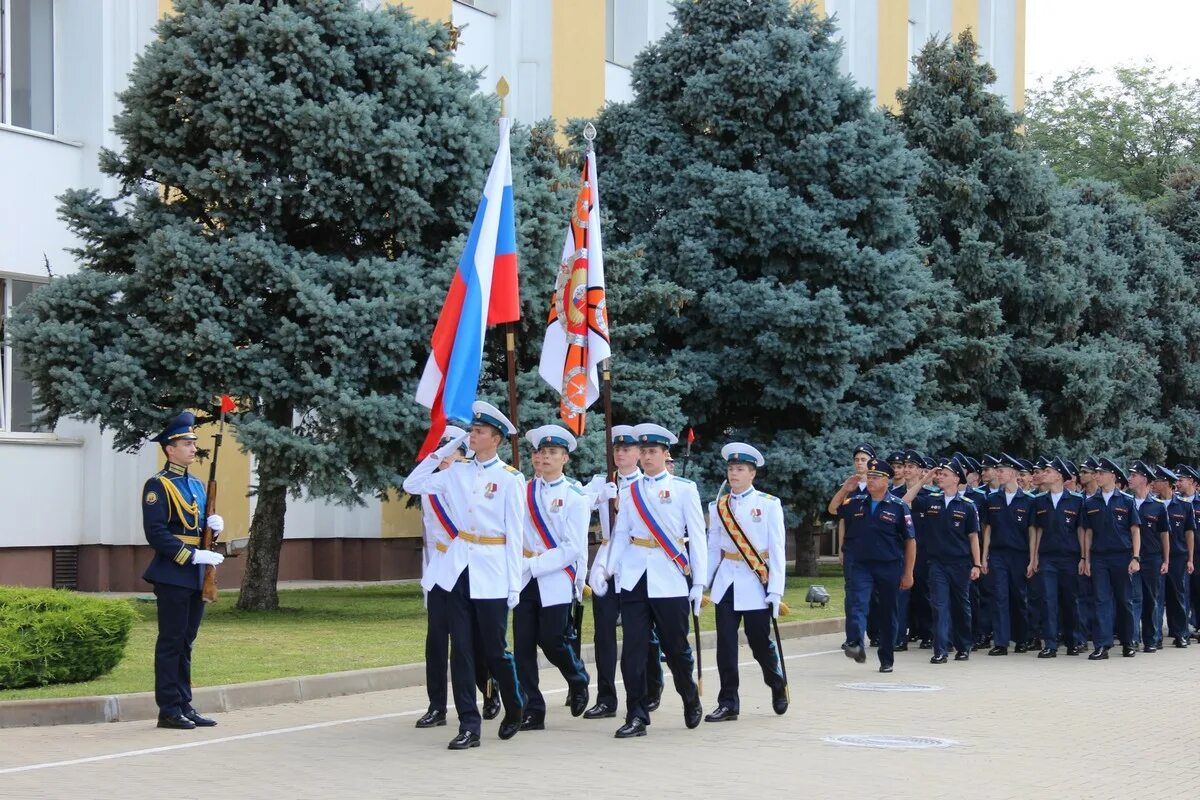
pixel 685 480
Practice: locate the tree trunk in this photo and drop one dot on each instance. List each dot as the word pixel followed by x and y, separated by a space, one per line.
pixel 259 590
pixel 806 548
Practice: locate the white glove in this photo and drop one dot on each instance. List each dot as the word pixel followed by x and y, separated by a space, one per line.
pixel 595 485
pixel 207 557
pixel 447 450
pixel 425 599
pixel 773 600
pixel 579 582
pixel 696 596
pixel 216 525
pixel 513 599
pixel 598 581
pixel 610 491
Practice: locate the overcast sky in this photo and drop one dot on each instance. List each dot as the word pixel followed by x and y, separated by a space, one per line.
pixel 1064 34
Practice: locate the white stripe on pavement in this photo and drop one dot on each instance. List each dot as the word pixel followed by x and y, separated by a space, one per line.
pixel 280 731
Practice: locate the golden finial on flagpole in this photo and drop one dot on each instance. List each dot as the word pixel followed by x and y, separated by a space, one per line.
pixel 502 90
pixel 589 133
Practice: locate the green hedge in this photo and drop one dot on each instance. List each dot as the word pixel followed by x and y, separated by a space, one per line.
pixel 49 636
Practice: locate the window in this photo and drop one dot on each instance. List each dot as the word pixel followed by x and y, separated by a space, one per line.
pixel 16 392
pixel 27 64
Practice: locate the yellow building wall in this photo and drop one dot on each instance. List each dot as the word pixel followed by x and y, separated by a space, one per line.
pixel 576 62
pixel 430 9
pixel 1019 61
pixel 893 51
pixel 964 14
pixel 398 520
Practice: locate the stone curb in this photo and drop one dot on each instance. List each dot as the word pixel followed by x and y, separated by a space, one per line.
pixel 141 706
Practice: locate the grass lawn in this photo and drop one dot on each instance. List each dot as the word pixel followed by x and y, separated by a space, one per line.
pixel 325 630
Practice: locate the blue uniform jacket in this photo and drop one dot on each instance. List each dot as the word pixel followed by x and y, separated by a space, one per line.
pixel 1111 523
pixel 878 535
pixel 1059 525
pixel 948 527
pixel 925 517
pixel 1154 522
pixel 978 496
pixel 1010 521
pixel 173 519
pixel 1181 518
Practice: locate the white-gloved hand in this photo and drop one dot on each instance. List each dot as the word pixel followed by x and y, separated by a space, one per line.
pixel 448 449
pixel 425 598
pixel 773 600
pixel 594 485
pixel 215 523
pixel 579 583
pixel 696 596
pixel 513 599
pixel 207 557
pixel 610 491
pixel 598 581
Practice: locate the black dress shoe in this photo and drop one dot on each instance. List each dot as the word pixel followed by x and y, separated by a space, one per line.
pixel 856 652
pixel 635 727
pixel 511 723
pixel 962 655
pixel 901 648
pixel 1099 654
pixel 1049 653
pixel 977 646
pixel 653 701
pixel 1128 652
pixel 998 651
pixel 1178 642
pixel 938 660
pixel 432 719
pixel 177 722
pixel 199 721
pixel 578 698
pixel 693 713
pixel 874 642
pixel 722 714
pixel 926 644
pixel 1150 649
pixel 1072 650
pixel 532 722
pixel 464 740
pixel 491 706
pixel 1021 648
pixel 779 700
pixel 885 668
pixel 600 711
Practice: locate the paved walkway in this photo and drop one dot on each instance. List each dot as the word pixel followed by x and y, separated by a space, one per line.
pixel 1020 728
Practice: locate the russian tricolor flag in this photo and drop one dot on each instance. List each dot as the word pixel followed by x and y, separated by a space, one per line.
pixel 483 292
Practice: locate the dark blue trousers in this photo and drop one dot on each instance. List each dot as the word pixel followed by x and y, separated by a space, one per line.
pixel 1148 586
pixel 1087 609
pixel 606 612
pixel 914 609
pixel 757 624
pixel 546 627
pixel 1177 600
pixel 1007 571
pixel 671 615
pixel 478 631
pixel 180 611
pixel 950 593
pixel 1059 579
pixel 868 576
pixel 437 650
pixel 1113 589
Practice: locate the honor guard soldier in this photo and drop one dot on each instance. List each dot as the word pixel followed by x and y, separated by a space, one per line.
pixel 1111 558
pixel 1189 483
pixel 605 602
pixel 659 561
pixel 884 550
pixel 485 501
pixel 1150 582
pixel 1056 525
pixel 173 503
pixel 952 554
pixel 745 539
pixel 1006 556
pixel 557 514
pixel 1182 521
pixel 436 584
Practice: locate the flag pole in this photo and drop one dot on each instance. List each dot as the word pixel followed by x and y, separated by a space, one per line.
pixel 510 334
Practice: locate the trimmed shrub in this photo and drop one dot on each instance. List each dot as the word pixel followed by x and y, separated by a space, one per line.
pixel 49 636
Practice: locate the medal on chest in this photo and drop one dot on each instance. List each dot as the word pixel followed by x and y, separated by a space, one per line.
pixel 489 490
pixel 756 515
pixel 556 505
pixel 664 496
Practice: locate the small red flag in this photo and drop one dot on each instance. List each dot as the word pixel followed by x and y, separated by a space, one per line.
pixel 227 404
pixel 691 435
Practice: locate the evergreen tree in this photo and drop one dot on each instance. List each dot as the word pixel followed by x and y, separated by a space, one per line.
pixel 1179 211
pixel 757 179
pixel 295 179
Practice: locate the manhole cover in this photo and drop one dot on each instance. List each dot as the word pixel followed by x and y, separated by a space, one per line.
pixel 890 742
pixel 891 687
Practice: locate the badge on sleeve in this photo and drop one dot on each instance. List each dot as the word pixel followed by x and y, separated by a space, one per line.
pixel 151 498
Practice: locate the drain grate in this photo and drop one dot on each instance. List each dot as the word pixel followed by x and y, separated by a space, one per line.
pixel 880 742
pixel 891 687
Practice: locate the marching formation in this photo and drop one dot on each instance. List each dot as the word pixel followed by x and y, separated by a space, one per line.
pixel 969 554
pixel 496 542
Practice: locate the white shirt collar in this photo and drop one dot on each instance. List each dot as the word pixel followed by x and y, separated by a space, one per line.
pixel 657 477
pixel 1056 496
pixel 1106 496
pixel 486 464
pixel 631 477
pixel 745 494
pixel 1008 496
pixel 561 478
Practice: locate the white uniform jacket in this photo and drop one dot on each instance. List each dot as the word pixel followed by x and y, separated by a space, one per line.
pixel 675 503
pixel 760 516
pixel 485 502
pixel 566 512
pixel 601 506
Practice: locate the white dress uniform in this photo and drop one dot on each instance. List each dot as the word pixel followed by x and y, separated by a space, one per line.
pixel 675 503
pixel 760 516
pixel 567 512
pixel 600 503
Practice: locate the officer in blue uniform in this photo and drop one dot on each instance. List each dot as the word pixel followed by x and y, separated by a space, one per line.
pixel 981 590
pixel 1112 558
pixel 884 551
pixel 1056 520
pixel 173 504
pixel 1182 521
pixel 1006 556
pixel 952 553
pixel 856 483
pixel 1149 583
